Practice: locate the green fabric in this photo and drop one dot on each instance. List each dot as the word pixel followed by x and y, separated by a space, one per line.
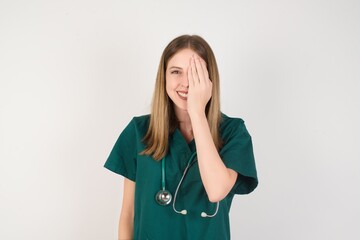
pixel 155 222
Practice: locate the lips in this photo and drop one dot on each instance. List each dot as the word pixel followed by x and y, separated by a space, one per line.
pixel 183 95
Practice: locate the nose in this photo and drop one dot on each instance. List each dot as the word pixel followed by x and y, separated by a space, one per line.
pixel 185 81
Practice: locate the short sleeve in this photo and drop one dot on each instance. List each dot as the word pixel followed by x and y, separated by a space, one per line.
pixel 237 154
pixel 122 158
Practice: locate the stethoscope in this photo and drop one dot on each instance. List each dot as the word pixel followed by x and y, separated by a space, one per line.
pixel 164 197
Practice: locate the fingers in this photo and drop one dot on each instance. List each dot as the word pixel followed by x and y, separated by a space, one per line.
pixel 199 69
pixel 205 70
pixel 194 71
pixel 190 76
pixel 200 86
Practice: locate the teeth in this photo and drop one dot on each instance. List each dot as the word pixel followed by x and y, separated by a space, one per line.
pixel 182 94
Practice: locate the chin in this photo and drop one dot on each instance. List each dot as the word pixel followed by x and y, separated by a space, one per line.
pixel 180 107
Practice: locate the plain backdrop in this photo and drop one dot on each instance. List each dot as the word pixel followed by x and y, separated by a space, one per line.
pixel 73 73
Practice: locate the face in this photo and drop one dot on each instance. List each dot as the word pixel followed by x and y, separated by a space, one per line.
pixel 177 83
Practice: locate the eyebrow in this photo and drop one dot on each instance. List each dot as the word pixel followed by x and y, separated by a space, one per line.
pixel 174 67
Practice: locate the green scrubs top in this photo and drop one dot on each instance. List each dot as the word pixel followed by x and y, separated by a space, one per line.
pixel 155 222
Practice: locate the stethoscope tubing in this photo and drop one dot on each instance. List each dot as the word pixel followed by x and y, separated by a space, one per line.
pixel 180 182
pixel 189 164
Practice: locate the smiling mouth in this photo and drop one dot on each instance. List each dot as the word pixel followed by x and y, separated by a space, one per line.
pixel 183 95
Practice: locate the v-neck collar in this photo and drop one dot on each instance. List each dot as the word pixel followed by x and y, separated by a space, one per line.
pixel 192 145
pixel 179 142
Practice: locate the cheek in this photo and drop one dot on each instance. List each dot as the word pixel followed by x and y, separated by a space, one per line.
pixel 170 83
pixel 168 86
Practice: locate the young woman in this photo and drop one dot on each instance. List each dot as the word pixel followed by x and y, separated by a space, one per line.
pixel 184 162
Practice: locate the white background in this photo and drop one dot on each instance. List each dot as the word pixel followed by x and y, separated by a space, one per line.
pixel 73 73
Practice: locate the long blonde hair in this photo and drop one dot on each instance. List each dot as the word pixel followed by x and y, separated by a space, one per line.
pixel 163 120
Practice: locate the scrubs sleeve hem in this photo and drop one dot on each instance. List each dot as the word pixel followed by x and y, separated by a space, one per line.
pixel 123 157
pixel 120 171
pixel 238 155
pixel 244 184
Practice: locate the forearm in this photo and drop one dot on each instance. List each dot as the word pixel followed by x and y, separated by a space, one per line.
pixel 216 177
pixel 126 222
pixel 126 227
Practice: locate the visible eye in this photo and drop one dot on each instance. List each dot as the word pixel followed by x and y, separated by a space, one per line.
pixel 175 72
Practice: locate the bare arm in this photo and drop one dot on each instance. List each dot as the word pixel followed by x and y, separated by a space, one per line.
pixel 126 223
pixel 218 180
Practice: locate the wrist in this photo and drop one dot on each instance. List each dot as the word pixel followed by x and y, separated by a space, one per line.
pixel 196 116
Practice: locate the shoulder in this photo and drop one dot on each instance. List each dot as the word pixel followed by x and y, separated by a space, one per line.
pixel 142 120
pixel 134 132
pixel 230 122
pixel 230 126
pixel 140 124
pixel 226 120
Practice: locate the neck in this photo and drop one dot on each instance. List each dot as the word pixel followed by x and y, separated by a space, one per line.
pixel 185 126
pixel 183 117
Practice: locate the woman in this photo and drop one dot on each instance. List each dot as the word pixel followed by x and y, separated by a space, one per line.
pixel 184 162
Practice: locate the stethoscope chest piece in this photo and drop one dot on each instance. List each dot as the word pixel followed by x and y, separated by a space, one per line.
pixel 163 197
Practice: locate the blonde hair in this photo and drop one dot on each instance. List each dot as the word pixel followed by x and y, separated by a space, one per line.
pixel 163 120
